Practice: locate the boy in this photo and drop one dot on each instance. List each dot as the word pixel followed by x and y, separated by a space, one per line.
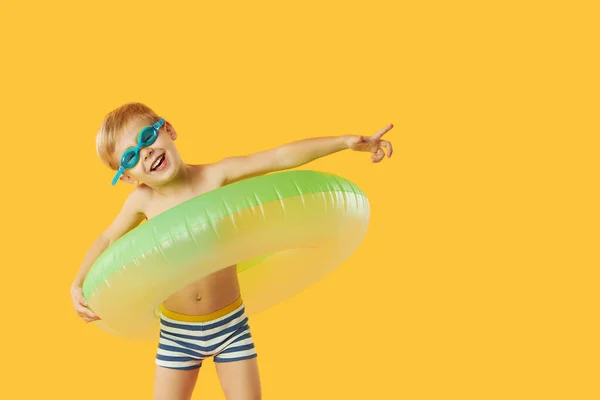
pixel 139 145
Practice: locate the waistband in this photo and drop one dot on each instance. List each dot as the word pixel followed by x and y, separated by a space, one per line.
pixel 204 317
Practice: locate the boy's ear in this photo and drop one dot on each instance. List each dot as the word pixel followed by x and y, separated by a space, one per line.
pixel 170 130
pixel 128 179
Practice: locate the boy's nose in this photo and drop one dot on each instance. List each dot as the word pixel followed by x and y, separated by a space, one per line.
pixel 147 152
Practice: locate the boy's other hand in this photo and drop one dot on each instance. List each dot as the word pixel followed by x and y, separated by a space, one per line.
pixel 372 144
pixel 80 305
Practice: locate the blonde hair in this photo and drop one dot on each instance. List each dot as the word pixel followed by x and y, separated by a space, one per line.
pixel 113 126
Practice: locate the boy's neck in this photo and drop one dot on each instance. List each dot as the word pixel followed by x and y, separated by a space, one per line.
pixel 178 185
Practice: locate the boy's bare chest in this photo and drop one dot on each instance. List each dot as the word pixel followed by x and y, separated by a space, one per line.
pixel 162 204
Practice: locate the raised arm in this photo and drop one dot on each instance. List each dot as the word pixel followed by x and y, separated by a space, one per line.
pixel 301 152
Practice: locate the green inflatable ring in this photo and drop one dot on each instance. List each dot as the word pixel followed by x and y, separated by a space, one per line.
pixel 284 231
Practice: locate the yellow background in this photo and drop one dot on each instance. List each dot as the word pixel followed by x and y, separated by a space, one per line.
pixel 478 277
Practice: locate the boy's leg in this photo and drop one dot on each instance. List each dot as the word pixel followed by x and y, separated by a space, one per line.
pixel 174 384
pixel 240 380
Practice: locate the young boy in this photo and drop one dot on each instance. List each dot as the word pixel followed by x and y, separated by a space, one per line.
pixel 139 145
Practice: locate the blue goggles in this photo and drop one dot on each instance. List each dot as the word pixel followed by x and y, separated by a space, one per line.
pixel 131 156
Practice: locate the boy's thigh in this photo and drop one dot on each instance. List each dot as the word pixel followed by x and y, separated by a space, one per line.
pixel 240 380
pixel 174 384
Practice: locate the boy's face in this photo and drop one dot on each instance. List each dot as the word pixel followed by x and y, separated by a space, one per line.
pixel 158 162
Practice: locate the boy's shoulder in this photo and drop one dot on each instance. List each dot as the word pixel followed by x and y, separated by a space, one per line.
pixel 210 174
pixel 139 198
pixel 141 192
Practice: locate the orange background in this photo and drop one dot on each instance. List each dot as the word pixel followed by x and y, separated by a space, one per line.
pixel 478 276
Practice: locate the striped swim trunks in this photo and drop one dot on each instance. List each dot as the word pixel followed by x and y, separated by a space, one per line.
pixel 186 340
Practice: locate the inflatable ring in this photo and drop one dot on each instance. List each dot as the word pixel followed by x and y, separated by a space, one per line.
pixel 284 231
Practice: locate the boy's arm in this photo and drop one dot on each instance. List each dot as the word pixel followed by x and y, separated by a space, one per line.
pixel 131 215
pixel 301 152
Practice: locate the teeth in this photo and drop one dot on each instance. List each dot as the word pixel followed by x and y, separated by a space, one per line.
pixel 155 163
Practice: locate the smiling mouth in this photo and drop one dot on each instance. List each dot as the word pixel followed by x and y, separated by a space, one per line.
pixel 158 164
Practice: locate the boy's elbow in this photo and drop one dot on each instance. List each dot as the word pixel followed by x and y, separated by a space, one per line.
pixel 105 240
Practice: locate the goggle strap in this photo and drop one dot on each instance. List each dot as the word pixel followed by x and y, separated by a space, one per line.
pixel 118 175
pixel 158 124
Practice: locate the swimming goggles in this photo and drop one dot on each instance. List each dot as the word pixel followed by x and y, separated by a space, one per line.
pixel 131 156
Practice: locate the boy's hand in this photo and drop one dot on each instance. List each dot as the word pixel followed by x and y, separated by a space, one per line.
pixel 372 144
pixel 81 305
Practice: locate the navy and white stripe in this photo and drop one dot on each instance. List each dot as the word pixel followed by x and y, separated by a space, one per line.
pixel 183 345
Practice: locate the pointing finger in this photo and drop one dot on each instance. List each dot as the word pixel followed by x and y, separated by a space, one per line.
pixel 381 132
